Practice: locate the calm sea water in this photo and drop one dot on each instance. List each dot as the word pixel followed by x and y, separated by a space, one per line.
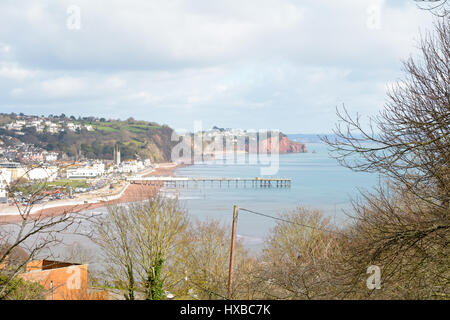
pixel 317 182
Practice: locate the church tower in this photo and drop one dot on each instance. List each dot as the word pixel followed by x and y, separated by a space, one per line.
pixel 116 155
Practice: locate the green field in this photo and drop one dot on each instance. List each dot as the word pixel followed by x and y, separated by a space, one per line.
pixel 74 183
pixel 118 126
pixel 27 189
pixel 104 128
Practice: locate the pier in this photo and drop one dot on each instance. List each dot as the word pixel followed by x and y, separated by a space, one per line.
pixel 186 182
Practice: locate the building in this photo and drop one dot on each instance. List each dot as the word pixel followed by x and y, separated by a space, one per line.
pixel 62 280
pixel 5 180
pixel 31 156
pixel 16 126
pixel 50 156
pixel 53 128
pixel 15 168
pixel 116 155
pixel 42 173
pixel 86 172
pixel 130 166
pixel 73 127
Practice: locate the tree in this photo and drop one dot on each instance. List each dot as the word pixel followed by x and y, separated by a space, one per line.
pixel 159 225
pixel 114 234
pixel 33 233
pixel 398 234
pixel 19 289
pixel 138 243
pixel 405 225
pixel 200 270
pixel 439 8
pixel 295 263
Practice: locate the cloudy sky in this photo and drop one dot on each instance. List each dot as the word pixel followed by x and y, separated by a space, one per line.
pixel 253 64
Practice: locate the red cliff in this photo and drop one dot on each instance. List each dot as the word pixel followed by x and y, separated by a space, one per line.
pixel 288 146
pixel 285 146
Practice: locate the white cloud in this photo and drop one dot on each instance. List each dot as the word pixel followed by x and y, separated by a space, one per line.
pixel 4 49
pixel 177 61
pixel 17 92
pixel 114 82
pixel 63 87
pixel 14 72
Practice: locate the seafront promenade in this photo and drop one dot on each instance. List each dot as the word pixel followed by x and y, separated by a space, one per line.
pixel 124 192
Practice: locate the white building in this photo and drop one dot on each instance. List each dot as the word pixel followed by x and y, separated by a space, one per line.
pixel 44 173
pixel 73 127
pixel 15 169
pixel 53 128
pixel 51 156
pixel 5 180
pixel 35 123
pixel 100 166
pixel 14 126
pixel 131 166
pixel 86 172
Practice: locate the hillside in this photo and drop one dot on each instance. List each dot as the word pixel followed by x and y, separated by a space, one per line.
pixel 94 138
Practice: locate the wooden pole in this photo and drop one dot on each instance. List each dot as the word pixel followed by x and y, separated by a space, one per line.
pixel 233 241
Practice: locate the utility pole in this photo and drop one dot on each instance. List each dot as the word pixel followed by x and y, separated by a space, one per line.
pixel 233 241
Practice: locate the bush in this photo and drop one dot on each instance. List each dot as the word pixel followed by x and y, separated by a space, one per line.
pixel 19 289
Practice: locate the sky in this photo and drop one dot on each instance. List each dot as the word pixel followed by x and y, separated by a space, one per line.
pixel 253 64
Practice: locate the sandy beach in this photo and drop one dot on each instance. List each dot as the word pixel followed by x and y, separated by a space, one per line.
pixel 129 193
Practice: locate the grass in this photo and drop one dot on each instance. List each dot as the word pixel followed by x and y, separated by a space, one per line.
pixel 74 183
pixel 41 186
pixel 123 125
pixel 108 129
pixel 136 143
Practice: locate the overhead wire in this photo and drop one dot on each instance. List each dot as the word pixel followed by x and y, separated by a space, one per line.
pixel 291 222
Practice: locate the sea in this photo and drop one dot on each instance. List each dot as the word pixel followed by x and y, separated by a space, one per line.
pixel 318 182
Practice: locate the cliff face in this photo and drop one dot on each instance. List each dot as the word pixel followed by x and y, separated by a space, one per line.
pixel 285 146
pixel 146 139
pixel 288 146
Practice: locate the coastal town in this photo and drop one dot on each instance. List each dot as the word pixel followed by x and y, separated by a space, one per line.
pixel 72 182
pixel 67 180
pixel 88 174
pixel 229 157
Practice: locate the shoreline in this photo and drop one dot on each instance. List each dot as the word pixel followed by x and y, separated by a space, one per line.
pixel 130 193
